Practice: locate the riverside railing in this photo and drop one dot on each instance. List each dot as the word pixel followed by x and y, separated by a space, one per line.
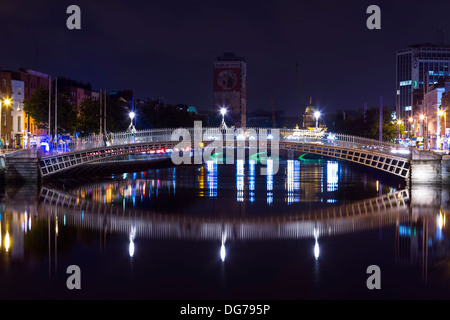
pixel 250 134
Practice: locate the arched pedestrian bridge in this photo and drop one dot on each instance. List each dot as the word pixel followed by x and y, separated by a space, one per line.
pixel 391 158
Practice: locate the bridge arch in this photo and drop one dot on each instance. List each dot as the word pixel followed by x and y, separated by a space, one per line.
pixel 387 157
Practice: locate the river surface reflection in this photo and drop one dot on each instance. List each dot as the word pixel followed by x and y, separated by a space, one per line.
pixel 226 231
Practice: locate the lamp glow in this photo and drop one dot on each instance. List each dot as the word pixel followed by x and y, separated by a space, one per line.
pixel 317 114
pixel 132 115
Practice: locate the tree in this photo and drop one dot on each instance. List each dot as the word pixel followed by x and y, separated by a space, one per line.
pixel 37 108
pixel 367 126
pixel 168 116
pixel 88 120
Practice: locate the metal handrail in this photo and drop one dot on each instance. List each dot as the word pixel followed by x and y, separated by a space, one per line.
pixel 208 134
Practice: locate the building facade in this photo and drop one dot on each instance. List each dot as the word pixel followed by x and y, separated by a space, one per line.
pixel 77 91
pixel 18 130
pixel 230 87
pixel 32 80
pixel 5 114
pixel 418 65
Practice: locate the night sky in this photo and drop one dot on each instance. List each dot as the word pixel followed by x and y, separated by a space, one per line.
pixel 167 48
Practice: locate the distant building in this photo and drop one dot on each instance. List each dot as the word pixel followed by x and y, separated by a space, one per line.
pixel 77 91
pixel 5 115
pixel 18 130
pixel 435 123
pixel 416 64
pixel 32 80
pixel 230 87
pixel 309 118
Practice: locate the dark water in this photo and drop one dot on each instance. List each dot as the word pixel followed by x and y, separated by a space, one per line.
pixel 226 232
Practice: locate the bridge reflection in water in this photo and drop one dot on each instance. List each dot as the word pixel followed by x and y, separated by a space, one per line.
pixel 419 221
pixel 419 215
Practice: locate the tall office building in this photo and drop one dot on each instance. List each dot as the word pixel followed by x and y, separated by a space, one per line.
pixel 230 87
pixel 416 64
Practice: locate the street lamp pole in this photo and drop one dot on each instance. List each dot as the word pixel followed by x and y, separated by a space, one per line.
pixel 131 128
pixel 317 115
pixel 438 129
pixel 399 122
pixel 223 125
pixel 422 117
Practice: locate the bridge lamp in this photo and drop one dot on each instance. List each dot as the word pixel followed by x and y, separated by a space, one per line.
pixel 223 125
pixel 132 115
pixel 317 116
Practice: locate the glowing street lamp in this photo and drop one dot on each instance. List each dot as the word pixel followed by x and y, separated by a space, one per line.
pixel 317 116
pixel 410 120
pixel 131 127
pixel 438 129
pixel 6 102
pixel 223 125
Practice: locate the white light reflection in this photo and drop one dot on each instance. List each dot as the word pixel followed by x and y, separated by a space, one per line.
pixel 316 246
pixel 293 181
pixel 240 180
pixel 251 180
pixel 131 237
pixel 211 177
pixel 332 175
pixel 269 181
pixel 222 247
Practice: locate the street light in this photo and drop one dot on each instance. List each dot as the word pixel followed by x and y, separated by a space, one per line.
pixel 410 120
pixel 7 103
pixel 422 117
pixel 399 122
pixel 317 115
pixel 131 127
pixel 438 129
pixel 223 125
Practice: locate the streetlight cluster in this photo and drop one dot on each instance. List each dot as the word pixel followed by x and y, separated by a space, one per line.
pixel 423 131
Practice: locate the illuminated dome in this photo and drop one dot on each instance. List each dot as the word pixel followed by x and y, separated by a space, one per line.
pixel 308 116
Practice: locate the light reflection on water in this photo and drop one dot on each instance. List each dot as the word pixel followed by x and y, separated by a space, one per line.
pixel 133 210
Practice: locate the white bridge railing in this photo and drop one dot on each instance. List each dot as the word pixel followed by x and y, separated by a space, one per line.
pixel 209 134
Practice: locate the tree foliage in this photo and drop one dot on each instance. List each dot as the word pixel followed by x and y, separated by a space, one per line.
pixel 168 116
pixel 368 127
pixel 37 107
